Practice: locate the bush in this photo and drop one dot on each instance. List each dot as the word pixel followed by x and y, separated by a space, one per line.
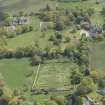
pixel 73 30
pixel 19 53
pixel 35 60
pixel 67 39
pixel 86 86
pixel 58 35
pixel 60 100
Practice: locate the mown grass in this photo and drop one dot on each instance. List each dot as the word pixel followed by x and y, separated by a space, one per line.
pixel 14 71
pixel 55 75
pixel 51 75
pixel 14 6
pixel 30 38
pixel 98 56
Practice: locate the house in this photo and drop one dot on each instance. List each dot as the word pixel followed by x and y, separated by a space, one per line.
pixel 20 20
pixel 89 101
pixel 91 30
pixel 84 32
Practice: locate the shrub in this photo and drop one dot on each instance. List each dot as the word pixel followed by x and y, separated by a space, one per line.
pixel 35 60
pixel 86 86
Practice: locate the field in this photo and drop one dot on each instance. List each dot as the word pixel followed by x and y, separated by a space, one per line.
pixel 30 38
pixel 51 75
pixel 14 72
pixel 13 6
pixel 98 56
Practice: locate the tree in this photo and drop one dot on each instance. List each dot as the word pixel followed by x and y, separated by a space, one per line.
pixel 103 11
pixel 86 72
pixel 1 82
pixel 84 60
pixel 79 19
pixel 3 16
pixel 60 100
pixel 101 83
pixel 48 8
pixel 19 53
pixel 75 99
pixel 59 24
pixel 76 77
pixel 94 75
pixel 35 60
pixel 67 39
pixel 86 86
pixel 21 13
pixel 58 35
pixel 68 51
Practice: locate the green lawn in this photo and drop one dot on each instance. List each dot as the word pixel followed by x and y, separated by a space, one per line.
pixel 29 38
pixel 51 75
pixel 98 55
pixel 14 71
pixel 54 75
pixel 13 6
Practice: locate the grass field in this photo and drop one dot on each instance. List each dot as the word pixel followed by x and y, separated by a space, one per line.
pixel 14 71
pixel 55 75
pixel 51 75
pixel 98 56
pixel 14 6
pixel 29 38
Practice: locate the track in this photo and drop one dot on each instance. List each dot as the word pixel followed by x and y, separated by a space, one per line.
pixel 36 77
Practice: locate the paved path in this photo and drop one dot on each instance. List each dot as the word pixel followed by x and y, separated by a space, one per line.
pixel 36 77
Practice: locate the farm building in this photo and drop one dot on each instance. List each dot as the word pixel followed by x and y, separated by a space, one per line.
pixel 91 30
pixel 20 20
